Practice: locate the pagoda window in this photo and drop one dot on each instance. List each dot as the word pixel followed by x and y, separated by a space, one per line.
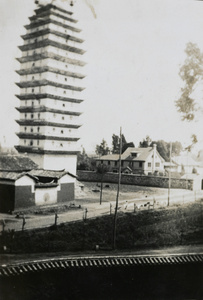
pixel 54 115
pixel 64 105
pixel 53 129
pixel 31 143
pixel 32 116
pixel 31 129
pixel 37 142
pixel 24 142
pixel 33 90
pixel 61 131
pixel 66 66
pixel 38 116
pixel 25 128
pixel 65 79
pixel 25 116
pixel 32 103
pixel 33 77
pixel 38 129
pixel 33 64
pixel 62 118
pixel 61 145
pixel 64 92
pixel 35 40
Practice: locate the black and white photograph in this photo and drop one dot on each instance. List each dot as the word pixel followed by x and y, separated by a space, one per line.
pixel 101 149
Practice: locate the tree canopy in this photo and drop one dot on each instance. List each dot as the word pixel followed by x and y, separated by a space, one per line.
pixel 102 149
pixel 191 72
pixel 116 143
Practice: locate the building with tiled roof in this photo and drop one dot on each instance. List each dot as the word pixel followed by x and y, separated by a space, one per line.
pixel 135 160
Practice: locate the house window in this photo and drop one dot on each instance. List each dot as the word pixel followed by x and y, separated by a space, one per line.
pixel 115 163
pixel 109 162
pixel 122 163
pixel 149 165
pixel 140 164
pixel 157 164
pixel 101 162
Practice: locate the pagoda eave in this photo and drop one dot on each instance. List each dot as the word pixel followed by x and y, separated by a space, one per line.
pixel 43 69
pixel 43 96
pixel 54 56
pixel 46 123
pixel 46 109
pixel 26 149
pixel 49 6
pixel 35 136
pixel 45 82
pixel 48 13
pixel 48 30
pixel 47 21
pixel 47 42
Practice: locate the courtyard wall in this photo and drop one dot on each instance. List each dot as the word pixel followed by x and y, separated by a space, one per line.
pixel 140 180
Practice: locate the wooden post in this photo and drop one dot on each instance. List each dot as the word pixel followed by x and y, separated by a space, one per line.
pixel 119 180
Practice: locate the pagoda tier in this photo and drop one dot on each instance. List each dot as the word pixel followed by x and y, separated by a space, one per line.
pixel 31 109
pixel 48 30
pixel 39 56
pixel 28 149
pixel 42 96
pixel 35 136
pixel 50 88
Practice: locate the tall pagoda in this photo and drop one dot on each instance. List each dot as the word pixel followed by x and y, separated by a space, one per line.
pixel 50 89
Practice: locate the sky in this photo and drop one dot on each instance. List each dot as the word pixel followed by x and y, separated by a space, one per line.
pixel 134 50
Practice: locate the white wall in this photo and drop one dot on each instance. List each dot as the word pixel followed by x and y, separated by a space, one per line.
pixel 45 195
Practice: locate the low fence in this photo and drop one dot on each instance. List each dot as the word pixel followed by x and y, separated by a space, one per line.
pixel 132 179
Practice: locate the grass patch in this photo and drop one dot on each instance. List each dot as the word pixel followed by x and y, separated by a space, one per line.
pixel 144 229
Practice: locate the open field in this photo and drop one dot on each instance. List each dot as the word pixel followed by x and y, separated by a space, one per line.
pixel 165 227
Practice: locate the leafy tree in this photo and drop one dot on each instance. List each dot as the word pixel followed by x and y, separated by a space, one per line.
pixel 116 143
pixel 83 162
pixel 146 142
pixel 102 169
pixel 102 149
pixel 164 148
pixel 127 145
pixel 191 72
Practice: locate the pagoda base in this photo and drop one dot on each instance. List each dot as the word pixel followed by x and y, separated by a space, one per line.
pixel 55 161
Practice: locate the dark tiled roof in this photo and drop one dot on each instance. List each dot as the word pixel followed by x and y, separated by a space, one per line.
pixel 49 173
pixel 11 175
pixel 102 262
pixel 16 163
